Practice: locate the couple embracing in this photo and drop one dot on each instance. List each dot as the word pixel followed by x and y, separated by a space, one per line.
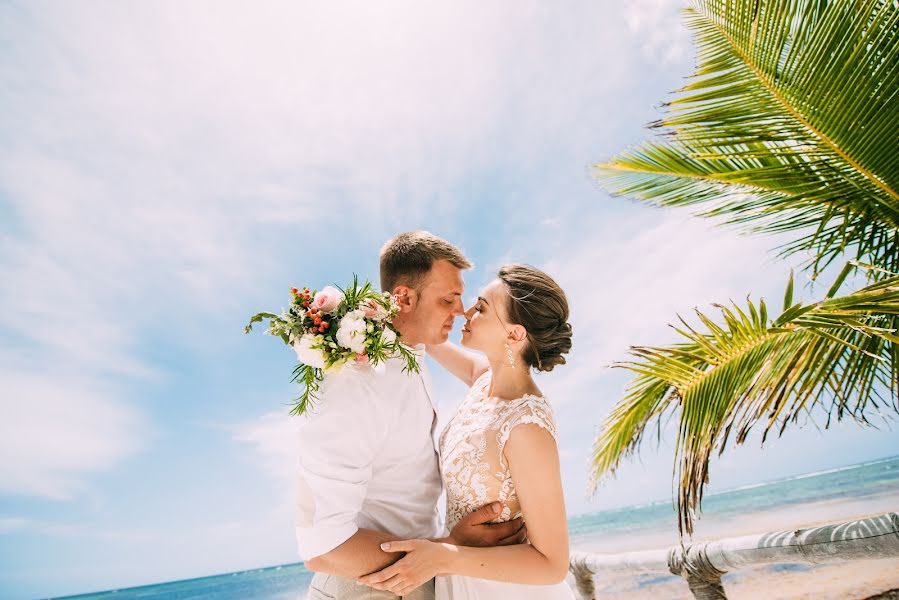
pixel 370 474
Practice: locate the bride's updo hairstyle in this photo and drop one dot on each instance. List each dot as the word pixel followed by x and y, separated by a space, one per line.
pixel 537 303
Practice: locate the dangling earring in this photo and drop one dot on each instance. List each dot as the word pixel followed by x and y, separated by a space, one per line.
pixel 510 355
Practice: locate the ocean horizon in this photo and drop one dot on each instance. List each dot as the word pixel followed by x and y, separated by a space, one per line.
pixel 290 580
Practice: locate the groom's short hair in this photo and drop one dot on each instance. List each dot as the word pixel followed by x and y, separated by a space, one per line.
pixel 407 258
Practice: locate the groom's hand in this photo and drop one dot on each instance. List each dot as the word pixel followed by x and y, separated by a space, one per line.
pixel 475 529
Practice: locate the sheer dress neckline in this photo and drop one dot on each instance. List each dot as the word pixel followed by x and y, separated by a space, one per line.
pixel 473 465
pixel 486 377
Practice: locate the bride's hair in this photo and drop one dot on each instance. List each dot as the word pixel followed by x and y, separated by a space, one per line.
pixel 537 303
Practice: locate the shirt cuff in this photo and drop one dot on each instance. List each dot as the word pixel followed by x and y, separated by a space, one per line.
pixel 317 540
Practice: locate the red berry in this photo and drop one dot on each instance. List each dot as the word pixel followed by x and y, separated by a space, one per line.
pixel 326 324
pixel 318 321
pixel 293 290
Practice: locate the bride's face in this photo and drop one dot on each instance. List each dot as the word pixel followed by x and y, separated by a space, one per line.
pixel 487 324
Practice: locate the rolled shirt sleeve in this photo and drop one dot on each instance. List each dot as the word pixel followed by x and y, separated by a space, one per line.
pixel 338 442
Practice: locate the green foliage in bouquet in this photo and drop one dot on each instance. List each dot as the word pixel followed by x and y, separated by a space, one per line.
pixel 332 328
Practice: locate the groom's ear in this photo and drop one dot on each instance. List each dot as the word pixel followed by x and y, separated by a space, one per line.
pixel 405 297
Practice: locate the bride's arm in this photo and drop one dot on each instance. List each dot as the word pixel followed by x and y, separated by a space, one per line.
pixel 533 458
pixel 465 365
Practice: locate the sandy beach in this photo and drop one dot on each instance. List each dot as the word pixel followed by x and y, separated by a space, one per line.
pixel 847 581
pixel 825 582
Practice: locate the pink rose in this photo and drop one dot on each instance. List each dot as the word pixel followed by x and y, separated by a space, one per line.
pixel 327 299
pixel 373 310
pixel 362 358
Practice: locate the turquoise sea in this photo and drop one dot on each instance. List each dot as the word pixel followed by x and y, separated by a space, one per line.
pixel 290 581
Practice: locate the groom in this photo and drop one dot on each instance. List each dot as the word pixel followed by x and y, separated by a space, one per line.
pixel 368 470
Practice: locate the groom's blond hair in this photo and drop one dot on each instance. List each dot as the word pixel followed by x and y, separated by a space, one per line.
pixel 407 258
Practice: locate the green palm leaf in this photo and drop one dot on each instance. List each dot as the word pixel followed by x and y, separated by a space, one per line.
pixel 841 353
pixel 790 124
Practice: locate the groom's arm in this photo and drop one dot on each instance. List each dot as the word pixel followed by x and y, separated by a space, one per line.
pixel 337 444
pixel 362 554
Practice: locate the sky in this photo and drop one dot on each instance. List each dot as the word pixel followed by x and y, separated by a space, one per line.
pixel 168 169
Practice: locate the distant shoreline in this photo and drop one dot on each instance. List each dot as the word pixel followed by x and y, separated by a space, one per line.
pixel 794 516
pixel 740 488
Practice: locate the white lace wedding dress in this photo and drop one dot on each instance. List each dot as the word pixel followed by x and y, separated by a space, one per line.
pixel 475 473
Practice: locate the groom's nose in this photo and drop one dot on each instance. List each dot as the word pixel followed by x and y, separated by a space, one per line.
pixel 458 309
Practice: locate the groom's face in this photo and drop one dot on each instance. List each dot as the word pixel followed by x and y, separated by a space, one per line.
pixel 439 302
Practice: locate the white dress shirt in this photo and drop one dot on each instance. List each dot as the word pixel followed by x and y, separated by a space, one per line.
pixel 367 458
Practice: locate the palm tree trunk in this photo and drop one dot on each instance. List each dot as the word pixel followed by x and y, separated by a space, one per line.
pixel 693 564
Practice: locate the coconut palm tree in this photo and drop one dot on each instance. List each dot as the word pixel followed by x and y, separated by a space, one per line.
pixel 789 125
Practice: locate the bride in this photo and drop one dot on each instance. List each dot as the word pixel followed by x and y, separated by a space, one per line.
pixel 501 447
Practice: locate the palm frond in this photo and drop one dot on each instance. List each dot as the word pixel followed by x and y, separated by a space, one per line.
pixel 839 353
pixel 788 125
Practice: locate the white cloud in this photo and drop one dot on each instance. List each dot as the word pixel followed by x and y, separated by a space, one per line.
pixel 632 278
pixel 267 536
pixel 85 531
pixel 57 431
pixel 658 24
pixel 176 138
pixel 273 439
pixel 10 524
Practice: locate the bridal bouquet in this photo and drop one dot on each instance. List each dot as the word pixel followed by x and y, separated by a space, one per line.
pixel 331 328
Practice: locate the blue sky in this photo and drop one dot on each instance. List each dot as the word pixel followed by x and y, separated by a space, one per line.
pixel 168 169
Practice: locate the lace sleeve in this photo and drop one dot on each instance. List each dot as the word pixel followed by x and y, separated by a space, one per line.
pixel 530 410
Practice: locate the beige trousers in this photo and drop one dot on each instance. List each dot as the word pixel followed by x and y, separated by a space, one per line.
pixel 331 587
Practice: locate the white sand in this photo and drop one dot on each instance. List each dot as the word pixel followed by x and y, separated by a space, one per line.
pixel 849 581
pixel 845 581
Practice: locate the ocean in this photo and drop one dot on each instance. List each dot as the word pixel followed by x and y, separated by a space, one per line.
pixel 290 581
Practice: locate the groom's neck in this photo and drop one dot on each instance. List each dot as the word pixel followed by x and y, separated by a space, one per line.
pixel 408 332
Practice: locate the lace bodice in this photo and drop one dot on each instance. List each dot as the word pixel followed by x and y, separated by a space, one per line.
pixel 471 450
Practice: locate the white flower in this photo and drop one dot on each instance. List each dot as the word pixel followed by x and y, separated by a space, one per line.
pixel 388 335
pixel 351 332
pixel 307 354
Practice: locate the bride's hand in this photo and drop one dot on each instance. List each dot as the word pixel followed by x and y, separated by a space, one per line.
pixel 422 562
